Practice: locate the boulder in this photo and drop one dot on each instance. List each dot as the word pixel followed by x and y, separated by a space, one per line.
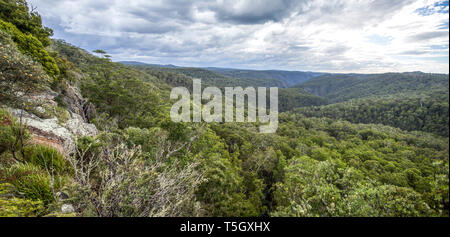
pixel 51 124
pixel 50 132
pixel 77 104
pixel 67 209
pixel 78 127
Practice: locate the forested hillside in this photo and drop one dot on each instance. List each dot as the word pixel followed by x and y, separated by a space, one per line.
pixel 411 101
pixel 230 77
pixel 288 78
pixel 83 136
pixel 340 88
pixel 212 78
pixel 291 98
pixel 413 112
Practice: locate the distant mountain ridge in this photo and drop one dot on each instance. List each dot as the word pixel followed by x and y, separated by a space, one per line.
pixel 136 63
pixel 280 78
pixel 289 78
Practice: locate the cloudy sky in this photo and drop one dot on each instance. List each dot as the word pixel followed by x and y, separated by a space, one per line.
pixel 365 36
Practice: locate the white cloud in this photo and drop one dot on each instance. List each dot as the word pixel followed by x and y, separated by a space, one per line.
pixel 334 36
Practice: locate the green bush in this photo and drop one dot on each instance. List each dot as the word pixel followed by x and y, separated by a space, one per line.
pixel 30 45
pixel 9 132
pixel 20 74
pixel 17 207
pixel 36 187
pixel 6 138
pixel 46 158
pixel 31 181
pixel 25 19
pixel 6 133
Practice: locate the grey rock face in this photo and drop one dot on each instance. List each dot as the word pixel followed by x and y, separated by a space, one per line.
pixel 44 127
pixel 50 131
pixel 77 126
pixel 43 98
pixel 77 104
pixel 40 109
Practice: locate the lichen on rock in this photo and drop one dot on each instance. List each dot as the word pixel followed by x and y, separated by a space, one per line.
pixel 51 132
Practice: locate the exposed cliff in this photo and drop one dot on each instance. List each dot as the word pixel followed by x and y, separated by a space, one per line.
pixel 52 125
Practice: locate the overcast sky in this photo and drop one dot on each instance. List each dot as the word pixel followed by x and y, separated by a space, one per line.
pixel 324 35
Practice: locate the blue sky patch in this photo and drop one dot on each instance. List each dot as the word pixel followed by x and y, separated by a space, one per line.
pixel 438 7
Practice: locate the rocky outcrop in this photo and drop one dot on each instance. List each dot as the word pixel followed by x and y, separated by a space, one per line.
pixel 51 125
pixel 46 141
pixel 77 104
pixel 50 132
pixel 77 126
pixel 42 99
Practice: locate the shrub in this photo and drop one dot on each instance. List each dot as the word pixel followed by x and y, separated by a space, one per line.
pixel 6 133
pixel 20 75
pixel 11 134
pixel 26 19
pixel 131 186
pixel 17 207
pixel 36 187
pixel 31 181
pixel 30 45
pixel 45 157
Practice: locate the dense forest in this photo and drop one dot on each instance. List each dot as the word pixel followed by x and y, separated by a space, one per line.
pixel 287 78
pixel 347 145
pixel 212 78
pixel 411 112
pixel 340 88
